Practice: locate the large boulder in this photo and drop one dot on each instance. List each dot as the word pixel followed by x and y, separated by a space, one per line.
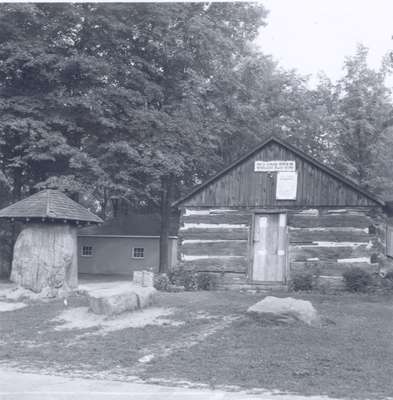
pixel 113 300
pixel 45 256
pixel 285 310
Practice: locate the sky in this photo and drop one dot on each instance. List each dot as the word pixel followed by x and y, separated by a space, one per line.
pixel 317 35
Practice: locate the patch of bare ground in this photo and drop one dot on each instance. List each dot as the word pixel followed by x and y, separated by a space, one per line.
pixel 208 340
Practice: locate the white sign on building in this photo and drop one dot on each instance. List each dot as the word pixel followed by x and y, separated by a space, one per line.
pixel 274 166
pixel 286 186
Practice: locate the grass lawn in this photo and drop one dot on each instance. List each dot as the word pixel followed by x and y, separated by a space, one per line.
pixel 215 343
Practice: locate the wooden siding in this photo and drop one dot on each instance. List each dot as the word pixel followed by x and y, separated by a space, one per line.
pixel 242 187
pixel 112 255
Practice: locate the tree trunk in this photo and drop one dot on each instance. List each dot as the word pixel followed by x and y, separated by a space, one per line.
pixel 166 200
pixel 46 257
pixel 16 196
pixel 17 186
pixel 104 204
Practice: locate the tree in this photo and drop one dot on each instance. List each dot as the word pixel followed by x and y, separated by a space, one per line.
pixel 364 114
pixel 261 100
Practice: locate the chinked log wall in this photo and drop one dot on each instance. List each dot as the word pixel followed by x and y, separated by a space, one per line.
pixel 216 240
pixel 324 241
pixel 327 241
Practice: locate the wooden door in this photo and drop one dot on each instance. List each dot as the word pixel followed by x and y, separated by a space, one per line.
pixel 269 261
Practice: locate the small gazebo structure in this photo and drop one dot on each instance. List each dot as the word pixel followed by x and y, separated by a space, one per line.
pixel 45 252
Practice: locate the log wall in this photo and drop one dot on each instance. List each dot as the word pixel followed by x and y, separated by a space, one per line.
pixel 327 241
pixel 324 241
pixel 216 241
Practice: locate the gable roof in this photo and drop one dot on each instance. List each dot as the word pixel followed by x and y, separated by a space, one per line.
pixel 49 204
pixel 131 225
pixel 296 151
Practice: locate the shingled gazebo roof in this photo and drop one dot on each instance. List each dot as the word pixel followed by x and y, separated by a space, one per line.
pixel 49 206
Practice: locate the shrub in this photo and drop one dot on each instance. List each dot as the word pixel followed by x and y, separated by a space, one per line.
pixel 162 282
pixel 385 282
pixel 190 282
pixel 188 279
pixel 176 277
pixel 389 276
pixel 357 280
pixel 206 281
pixel 302 281
pixel 193 280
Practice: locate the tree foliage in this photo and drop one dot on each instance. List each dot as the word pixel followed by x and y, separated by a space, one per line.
pixel 365 116
pixel 114 94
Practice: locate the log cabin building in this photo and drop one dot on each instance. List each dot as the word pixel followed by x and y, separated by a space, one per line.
pixel 278 212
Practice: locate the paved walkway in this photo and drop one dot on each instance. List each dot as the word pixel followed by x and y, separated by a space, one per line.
pixel 23 386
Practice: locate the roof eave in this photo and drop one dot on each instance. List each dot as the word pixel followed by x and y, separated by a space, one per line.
pixel 48 218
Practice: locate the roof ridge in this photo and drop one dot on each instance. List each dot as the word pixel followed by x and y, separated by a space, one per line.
pixel 49 210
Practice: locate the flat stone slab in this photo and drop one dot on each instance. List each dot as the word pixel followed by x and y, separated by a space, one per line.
pixel 14 292
pixel 118 297
pixel 5 306
pixel 285 310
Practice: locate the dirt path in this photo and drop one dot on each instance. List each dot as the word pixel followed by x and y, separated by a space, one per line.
pixel 25 386
pixel 186 342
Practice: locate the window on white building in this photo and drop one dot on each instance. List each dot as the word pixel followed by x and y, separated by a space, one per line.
pixel 87 251
pixel 138 252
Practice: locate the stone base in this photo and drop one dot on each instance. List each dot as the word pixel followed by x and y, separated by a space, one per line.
pixel 45 256
pixel 113 301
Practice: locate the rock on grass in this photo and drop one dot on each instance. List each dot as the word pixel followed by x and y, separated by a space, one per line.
pixel 285 310
pixel 113 301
